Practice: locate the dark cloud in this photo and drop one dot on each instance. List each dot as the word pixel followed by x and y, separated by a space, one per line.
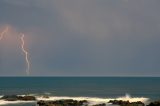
pixel 79 37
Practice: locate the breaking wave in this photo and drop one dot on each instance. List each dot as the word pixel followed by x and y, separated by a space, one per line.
pixel 3 102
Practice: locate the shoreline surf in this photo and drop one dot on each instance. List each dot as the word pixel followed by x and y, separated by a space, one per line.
pixel 91 100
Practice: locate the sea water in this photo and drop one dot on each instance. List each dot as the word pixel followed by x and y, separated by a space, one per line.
pixel 93 89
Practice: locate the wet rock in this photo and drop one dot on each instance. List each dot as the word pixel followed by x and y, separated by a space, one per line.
pixel 103 104
pixel 68 102
pixel 155 103
pixel 10 97
pixel 15 98
pixel 27 98
pixel 45 96
pixel 126 103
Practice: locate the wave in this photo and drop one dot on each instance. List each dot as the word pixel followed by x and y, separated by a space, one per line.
pixel 3 102
pixel 91 100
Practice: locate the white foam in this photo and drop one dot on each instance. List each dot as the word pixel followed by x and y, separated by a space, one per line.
pixel 3 102
pixel 133 99
pixel 47 93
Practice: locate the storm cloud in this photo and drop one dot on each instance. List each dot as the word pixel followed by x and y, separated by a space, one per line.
pixel 82 37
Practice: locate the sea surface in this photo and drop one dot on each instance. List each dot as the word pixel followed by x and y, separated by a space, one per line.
pixel 76 87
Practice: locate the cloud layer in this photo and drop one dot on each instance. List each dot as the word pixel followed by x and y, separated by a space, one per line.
pixel 87 38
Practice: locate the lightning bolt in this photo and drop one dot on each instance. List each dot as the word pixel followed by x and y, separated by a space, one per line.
pixel 26 54
pixel 2 34
pixel 22 47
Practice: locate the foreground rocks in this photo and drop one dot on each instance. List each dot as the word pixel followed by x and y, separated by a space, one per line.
pixel 68 102
pixel 15 98
pixel 103 104
pixel 126 103
pixel 156 103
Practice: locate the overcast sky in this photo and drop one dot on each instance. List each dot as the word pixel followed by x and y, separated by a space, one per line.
pixel 81 37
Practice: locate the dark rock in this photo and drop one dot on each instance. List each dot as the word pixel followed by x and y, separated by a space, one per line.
pixel 155 103
pixel 10 97
pixel 68 102
pixel 27 98
pixel 45 96
pixel 103 104
pixel 15 98
pixel 126 103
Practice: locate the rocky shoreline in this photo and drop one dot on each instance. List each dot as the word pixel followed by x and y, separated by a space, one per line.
pixel 71 102
pixel 16 98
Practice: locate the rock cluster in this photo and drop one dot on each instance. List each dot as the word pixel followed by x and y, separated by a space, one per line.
pixel 126 103
pixel 155 103
pixel 103 104
pixel 68 102
pixel 15 98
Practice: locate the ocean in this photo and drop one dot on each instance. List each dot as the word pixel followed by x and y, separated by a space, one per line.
pixel 91 88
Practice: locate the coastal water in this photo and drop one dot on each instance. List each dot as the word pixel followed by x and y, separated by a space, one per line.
pixel 99 87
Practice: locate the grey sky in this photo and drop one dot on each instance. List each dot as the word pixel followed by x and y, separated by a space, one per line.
pixel 82 37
